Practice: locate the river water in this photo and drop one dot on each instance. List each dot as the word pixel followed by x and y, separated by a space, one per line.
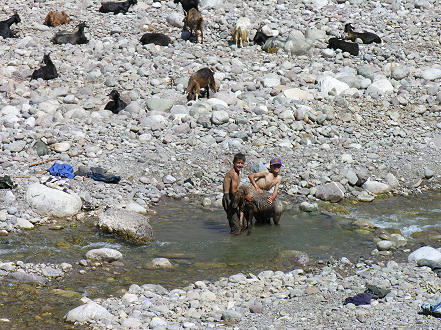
pixel 198 243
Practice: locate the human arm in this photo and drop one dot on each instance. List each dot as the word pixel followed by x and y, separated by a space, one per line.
pixel 254 176
pixel 274 194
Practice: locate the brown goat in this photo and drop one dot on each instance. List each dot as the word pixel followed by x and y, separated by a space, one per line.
pixel 203 78
pixel 194 21
pixel 55 18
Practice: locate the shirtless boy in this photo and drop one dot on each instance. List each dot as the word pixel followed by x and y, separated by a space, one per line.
pixel 265 181
pixel 231 183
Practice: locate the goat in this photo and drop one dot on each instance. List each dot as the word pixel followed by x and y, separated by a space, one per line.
pixel 272 44
pixel 203 78
pixel 188 4
pixel 75 38
pixel 155 38
pixel 241 31
pixel 55 18
pixel 260 38
pixel 194 21
pixel 116 105
pixel 46 72
pixel 5 26
pixel 350 47
pixel 366 37
pixel 117 7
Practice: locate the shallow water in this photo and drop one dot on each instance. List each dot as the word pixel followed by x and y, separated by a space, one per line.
pixel 198 243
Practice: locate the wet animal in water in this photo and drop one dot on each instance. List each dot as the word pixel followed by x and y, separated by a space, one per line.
pixel 241 31
pixel 46 72
pixel 116 105
pixel 188 4
pixel 350 47
pixel 55 18
pixel 366 37
pixel 203 78
pixel 117 7
pixel 260 38
pixel 155 38
pixel 194 21
pixel 5 26
pixel 75 38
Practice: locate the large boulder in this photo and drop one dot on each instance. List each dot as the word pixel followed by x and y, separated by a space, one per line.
pixel 52 202
pixel 88 312
pixel 128 224
pixel 426 253
pixel 376 187
pixel 332 192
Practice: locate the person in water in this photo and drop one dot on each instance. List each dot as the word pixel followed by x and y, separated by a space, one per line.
pixel 230 186
pixel 262 182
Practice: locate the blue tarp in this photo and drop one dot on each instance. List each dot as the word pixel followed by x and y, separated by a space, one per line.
pixel 63 170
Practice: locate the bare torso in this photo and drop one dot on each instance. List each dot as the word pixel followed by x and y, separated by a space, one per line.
pixel 231 182
pixel 268 181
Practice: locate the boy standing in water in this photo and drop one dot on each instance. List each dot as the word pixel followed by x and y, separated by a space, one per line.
pixel 265 181
pixel 230 186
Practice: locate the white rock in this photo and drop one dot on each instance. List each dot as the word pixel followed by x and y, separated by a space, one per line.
pixel 88 312
pixel 384 245
pixel 24 224
pixel 129 298
pixel 297 94
pixel 427 253
pixel 215 101
pixel 271 80
pixel 52 202
pixel 376 187
pixel 381 86
pixel 157 322
pixel 432 73
pixel 61 146
pixel 161 263
pixel 220 117
pixel 104 254
pixel 135 207
pixel 328 83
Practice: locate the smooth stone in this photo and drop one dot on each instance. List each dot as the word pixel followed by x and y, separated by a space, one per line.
pixel 104 254
pixel 25 277
pixel 376 187
pixel 328 84
pixel 52 272
pixel 220 117
pixel 61 146
pixel 163 263
pixel 24 224
pixel 158 104
pixel 87 313
pixel 297 94
pixel 308 207
pixel 52 202
pixel 427 253
pixel 381 87
pixel 231 315
pixel 332 192
pixel 384 245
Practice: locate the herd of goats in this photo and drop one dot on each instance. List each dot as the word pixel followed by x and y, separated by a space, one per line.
pixel 193 20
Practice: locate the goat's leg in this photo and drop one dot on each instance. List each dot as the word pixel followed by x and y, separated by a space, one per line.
pixel 202 34
pixel 198 90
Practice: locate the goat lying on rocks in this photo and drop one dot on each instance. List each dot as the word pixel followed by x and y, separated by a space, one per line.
pixel 75 38
pixel 116 105
pixel 366 37
pixel 46 72
pixel 260 38
pixel 350 47
pixel 194 21
pixel 117 7
pixel 241 31
pixel 203 78
pixel 155 38
pixel 188 4
pixel 55 18
pixel 5 26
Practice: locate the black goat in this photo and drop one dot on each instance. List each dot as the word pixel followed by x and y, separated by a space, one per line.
pixel 350 47
pixel 260 38
pixel 75 38
pixel 116 105
pixel 155 38
pixel 46 72
pixel 5 26
pixel 117 7
pixel 366 37
pixel 188 4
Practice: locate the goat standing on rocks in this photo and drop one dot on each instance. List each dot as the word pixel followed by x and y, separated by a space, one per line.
pixel 55 18
pixel 116 105
pixel 203 78
pixel 366 37
pixel 117 7
pixel 194 21
pixel 260 38
pixel 75 38
pixel 46 72
pixel 242 31
pixel 5 26
pixel 350 47
pixel 155 38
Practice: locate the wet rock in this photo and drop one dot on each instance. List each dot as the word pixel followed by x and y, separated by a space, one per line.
pixel 52 272
pixel 52 202
pixel 104 254
pixel 160 263
pixel 25 277
pixel 384 245
pixel 127 224
pixel 332 192
pixel 87 313
pixel 308 207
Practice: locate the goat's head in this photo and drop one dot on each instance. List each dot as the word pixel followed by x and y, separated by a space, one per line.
pixel 16 18
pixel 46 59
pixel 81 26
pixel 114 94
pixel 349 28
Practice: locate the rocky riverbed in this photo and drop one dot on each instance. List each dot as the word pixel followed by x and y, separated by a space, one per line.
pixel 345 126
